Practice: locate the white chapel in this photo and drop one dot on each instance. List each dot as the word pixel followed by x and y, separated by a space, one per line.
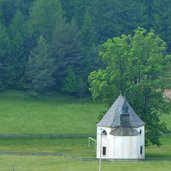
pixel 120 133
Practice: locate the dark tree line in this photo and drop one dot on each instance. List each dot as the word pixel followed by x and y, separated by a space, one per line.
pixel 52 45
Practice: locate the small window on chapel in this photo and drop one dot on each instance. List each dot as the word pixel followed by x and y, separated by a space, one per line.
pixel 104 132
pixel 141 149
pixel 104 151
pixel 140 131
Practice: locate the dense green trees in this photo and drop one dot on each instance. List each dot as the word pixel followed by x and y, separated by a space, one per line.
pixel 17 33
pixel 134 65
pixel 67 52
pixel 43 17
pixel 73 31
pixel 4 45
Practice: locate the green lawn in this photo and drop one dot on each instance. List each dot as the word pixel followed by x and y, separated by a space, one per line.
pixel 167 119
pixel 23 114
pixel 29 163
pixel 162 152
pixel 77 147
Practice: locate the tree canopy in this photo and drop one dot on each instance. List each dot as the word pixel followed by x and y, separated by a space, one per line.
pixel 135 65
pixel 74 31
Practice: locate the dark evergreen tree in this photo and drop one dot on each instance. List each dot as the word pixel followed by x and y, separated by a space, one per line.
pixel 17 58
pixel 43 17
pixel 4 45
pixel 113 18
pixel 67 51
pixel 9 8
pixel 1 11
pixel 162 20
pixel 69 9
pixel 75 9
pixel 40 68
pixel 89 47
pixel 149 13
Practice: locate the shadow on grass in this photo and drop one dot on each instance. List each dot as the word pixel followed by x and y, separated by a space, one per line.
pixel 158 153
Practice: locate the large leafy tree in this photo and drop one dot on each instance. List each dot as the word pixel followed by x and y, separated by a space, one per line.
pixel 134 66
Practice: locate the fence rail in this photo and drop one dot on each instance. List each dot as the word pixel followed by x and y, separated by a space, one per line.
pixel 31 136
pixel 61 154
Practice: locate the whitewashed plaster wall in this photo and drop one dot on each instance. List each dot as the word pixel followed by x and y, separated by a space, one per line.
pixel 120 147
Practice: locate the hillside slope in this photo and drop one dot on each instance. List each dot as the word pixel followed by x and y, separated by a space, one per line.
pixel 23 114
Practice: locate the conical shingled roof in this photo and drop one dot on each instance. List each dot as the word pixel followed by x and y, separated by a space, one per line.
pixel 112 116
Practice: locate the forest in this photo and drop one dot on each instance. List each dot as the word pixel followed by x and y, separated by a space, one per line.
pixel 53 45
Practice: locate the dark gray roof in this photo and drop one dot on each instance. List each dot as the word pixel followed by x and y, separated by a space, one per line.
pixel 124 132
pixel 112 116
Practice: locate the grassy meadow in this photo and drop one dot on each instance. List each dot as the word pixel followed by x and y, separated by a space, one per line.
pixel 29 163
pixel 24 114
pixel 77 147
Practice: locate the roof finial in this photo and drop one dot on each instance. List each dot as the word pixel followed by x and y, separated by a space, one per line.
pixel 122 92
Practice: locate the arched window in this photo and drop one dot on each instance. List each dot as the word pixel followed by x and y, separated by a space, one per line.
pixel 104 132
pixel 140 131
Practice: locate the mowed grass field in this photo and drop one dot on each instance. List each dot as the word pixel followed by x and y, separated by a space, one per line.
pixel 23 114
pixel 29 163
